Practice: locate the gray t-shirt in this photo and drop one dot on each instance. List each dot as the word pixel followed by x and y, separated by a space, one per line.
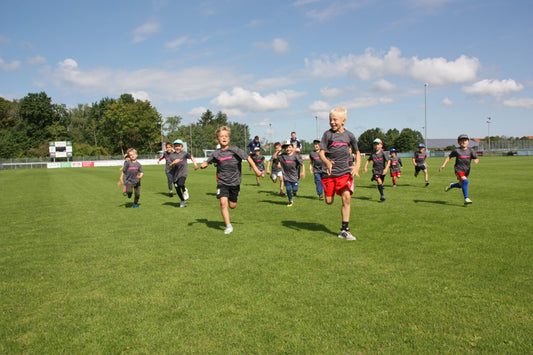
pixel 290 166
pixel 228 165
pixel 336 145
pixel 462 159
pixel 420 158
pixel 181 168
pixel 318 164
pixel 379 162
pixel 395 164
pixel 131 170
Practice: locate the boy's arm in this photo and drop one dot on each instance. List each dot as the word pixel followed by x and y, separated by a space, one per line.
pixel 365 169
pixel 252 164
pixel 326 161
pixel 121 179
pixel 444 164
pixel 302 174
pixel 194 162
pixel 357 165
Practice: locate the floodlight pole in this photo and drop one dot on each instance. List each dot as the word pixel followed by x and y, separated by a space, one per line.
pixel 316 119
pixel 425 116
pixel 488 127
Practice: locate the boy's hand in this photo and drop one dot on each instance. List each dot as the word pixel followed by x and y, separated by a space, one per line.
pixel 329 165
pixel 195 166
pixel 355 171
pixel 204 165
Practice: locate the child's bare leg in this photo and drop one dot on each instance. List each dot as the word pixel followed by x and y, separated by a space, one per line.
pixel 224 210
pixel 330 199
pixel 346 205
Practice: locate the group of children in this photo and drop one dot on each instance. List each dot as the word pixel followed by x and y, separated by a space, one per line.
pixel 333 165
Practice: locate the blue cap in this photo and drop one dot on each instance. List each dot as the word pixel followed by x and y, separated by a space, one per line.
pixel 421 145
pixel 178 141
pixel 393 150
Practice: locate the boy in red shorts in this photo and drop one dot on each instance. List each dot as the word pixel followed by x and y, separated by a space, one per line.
pixel 395 166
pixel 338 177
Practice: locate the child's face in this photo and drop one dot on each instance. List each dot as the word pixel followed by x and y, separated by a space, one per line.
pixel 178 147
pixel 169 148
pixel 289 149
pixel 464 143
pixel 257 153
pixel 132 155
pixel 378 146
pixel 393 154
pixel 422 149
pixel 317 146
pixel 336 121
pixel 277 147
pixel 223 138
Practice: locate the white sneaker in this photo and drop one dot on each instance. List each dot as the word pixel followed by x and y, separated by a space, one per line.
pixel 346 235
pixel 228 229
pixel 186 194
pixel 182 204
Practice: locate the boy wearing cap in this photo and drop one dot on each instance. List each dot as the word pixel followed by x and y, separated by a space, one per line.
pixel 380 166
pixel 228 159
pixel 420 161
pixel 338 175
pixel 180 169
pixel 463 156
pixel 395 166
pixel 316 168
pixel 291 164
pixel 274 170
pixel 259 161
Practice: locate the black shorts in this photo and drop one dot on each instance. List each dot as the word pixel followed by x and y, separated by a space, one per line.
pixel 418 168
pixel 375 177
pixel 231 192
pixel 180 181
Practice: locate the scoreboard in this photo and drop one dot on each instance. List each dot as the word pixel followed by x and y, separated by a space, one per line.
pixel 60 149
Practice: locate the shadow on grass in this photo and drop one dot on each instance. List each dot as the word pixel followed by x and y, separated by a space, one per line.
pixel 280 202
pixel 218 225
pixel 173 203
pixel 310 226
pixel 433 201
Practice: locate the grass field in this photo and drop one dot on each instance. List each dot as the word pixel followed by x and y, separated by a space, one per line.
pixel 83 272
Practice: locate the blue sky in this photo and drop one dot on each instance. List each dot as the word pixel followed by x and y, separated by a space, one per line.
pixel 281 66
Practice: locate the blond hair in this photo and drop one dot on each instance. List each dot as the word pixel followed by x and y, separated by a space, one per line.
pixel 340 111
pixel 223 128
pixel 131 150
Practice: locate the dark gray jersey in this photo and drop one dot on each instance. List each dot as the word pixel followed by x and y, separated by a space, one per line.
pixel 290 166
pixel 420 158
pixel 259 162
pixel 395 164
pixel 228 165
pixel 462 159
pixel 337 148
pixel 318 164
pixel 379 162
pixel 131 170
pixel 181 168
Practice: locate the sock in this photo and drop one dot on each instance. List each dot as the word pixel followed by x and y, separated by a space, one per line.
pixel 345 226
pixel 380 188
pixel 179 192
pixel 465 188
pixel 394 181
pixel 456 185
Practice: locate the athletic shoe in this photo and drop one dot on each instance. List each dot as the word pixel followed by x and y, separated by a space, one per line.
pixel 182 204
pixel 448 187
pixel 394 185
pixel 258 184
pixel 171 194
pixel 427 183
pixel 382 198
pixel 320 197
pixel 135 205
pixel 228 229
pixel 346 235
pixel 281 193
pixel 468 201
pixel 129 195
pixel 290 204
pixel 186 194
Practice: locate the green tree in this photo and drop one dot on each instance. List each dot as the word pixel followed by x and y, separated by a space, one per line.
pixel 366 139
pixel 408 140
pixel 37 113
pixel 172 128
pixel 390 138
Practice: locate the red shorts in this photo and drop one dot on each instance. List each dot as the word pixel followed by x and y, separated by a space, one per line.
pixel 337 185
pixel 460 175
pixel 396 174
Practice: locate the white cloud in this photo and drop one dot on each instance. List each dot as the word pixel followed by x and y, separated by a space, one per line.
pixel 362 102
pixel 240 101
pixel 142 32
pixel 197 111
pixel 368 66
pixel 36 60
pixel 524 102
pixel 278 45
pixel 328 92
pixel 304 2
pixel 14 65
pixel 334 9
pixel 141 95
pixel 273 83
pixel 446 101
pixel 320 106
pixel 173 86
pixel 383 85
pixel 496 88
pixel 175 44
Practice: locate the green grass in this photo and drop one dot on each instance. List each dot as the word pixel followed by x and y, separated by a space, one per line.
pixel 83 272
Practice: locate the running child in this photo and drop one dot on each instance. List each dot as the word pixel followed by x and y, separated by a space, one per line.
pixel 131 175
pixel 338 177
pixel 291 163
pixel 274 170
pixel 420 161
pixel 316 168
pixel 463 156
pixel 259 161
pixel 126 158
pixel 395 166
pixel 380 166
pixel 180 169
pixel 166 154
pixel 228 159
